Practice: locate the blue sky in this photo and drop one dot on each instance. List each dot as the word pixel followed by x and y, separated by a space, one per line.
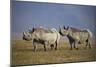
pixel 25 15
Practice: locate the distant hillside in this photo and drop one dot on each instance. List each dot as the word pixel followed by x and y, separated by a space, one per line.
pixel 15 36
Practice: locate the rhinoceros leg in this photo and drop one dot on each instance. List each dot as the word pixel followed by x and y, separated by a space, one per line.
pixel 44 47
pixel 56 46
pixel 52 46
pixel 75 43
pixel 34 45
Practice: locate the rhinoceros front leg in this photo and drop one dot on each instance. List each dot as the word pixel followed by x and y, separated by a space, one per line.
pixel 34 45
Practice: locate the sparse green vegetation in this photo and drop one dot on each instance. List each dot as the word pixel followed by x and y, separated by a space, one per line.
pixel 23 54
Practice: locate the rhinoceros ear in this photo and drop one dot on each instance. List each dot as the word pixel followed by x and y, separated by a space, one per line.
pixel 64 27
pixel 68 27
pixel 24 33
pixel 33 29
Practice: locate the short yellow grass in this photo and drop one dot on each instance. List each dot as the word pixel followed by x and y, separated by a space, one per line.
pixel 22 53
